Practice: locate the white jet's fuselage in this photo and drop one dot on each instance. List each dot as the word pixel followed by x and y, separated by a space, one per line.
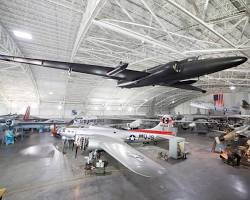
pixel 122 135
pixel 113 141
pixel 70 133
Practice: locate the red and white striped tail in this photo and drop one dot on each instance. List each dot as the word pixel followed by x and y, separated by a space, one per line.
pixel 27 114
pixel 218 100
pixel 165 127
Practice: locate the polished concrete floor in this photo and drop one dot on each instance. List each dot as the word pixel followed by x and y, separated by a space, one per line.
pixel 35 169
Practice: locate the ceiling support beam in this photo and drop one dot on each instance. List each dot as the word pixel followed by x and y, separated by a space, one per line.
pixel 125 11
pixel 242 2
pixel 145 59
pixel 205 9
pixel 108 56
pixel 66 5
pixel 179 99
pixel 164 31
pixel 226 79
pixel 227 19
pixel 179 7
pixel 92 10
pixel 136 35
pixel 182 100
pixel 138 94
pixel 156 18
pixel 172 97
pixel 118 53
pixel 238 23
pixel 200 21
pixel 9 45
pixel 209 51
pixel 117 46
pixel 154 96
pixel 244 28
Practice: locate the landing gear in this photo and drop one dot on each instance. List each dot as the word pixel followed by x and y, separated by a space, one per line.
pixel 82 143
pixel 66 144
pixel 94 163
pixel 93 156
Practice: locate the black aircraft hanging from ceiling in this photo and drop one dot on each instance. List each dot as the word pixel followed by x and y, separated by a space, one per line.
pixel 172 74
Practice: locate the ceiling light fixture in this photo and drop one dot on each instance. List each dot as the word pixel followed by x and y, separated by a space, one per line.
pixel 59 107
pixel 51 93
pixel 23 35
pixel 232 87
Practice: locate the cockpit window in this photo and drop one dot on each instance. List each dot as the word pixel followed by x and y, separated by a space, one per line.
pixel 176 67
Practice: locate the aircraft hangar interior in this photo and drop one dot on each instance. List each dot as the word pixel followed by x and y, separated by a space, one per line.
pixel 125 99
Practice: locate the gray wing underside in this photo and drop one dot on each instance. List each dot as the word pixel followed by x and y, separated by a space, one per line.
pixel 186 85
pixel 129 157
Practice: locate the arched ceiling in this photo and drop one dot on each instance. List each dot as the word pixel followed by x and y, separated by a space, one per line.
pixel 143 33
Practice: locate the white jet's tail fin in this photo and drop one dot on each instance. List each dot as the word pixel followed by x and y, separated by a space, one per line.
pixel 166 124
pixel 166 121
pixel 165 127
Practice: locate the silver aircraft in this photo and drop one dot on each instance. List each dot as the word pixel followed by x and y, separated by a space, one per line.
pixel 113 141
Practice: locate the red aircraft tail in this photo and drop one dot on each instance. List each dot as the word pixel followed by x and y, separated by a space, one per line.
pixel 27 114
pixel 163 128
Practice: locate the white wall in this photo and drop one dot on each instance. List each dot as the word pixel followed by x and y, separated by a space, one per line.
pixel 52 110
pixel 3 109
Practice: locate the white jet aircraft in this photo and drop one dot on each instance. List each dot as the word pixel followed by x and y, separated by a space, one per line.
pixel 210 106
pixel 113 142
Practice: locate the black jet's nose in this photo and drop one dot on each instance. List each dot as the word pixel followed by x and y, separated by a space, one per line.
pixel 229 62
pixel 237 60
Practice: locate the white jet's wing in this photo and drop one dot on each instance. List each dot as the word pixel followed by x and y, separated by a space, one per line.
pixel 128 156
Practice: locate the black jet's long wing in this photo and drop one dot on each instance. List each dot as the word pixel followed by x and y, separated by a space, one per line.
pixel 186 85
pixel 127 75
